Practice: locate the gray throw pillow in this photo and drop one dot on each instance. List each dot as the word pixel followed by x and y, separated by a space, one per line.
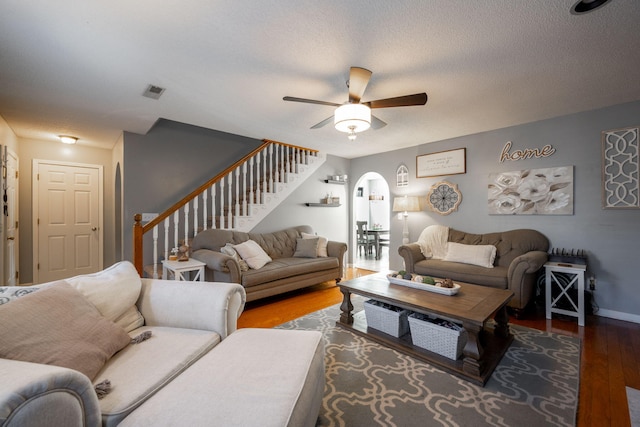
pixel 306 248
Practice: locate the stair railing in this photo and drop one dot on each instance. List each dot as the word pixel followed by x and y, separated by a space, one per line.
pixel 266 166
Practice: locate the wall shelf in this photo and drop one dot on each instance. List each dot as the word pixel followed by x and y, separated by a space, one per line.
pixel 324 205
pixel 331 181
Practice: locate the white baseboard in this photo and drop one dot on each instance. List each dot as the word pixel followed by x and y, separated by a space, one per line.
pixel 618 315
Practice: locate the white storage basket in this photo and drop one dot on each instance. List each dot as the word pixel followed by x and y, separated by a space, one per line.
pixel 386 318
pixel 437 335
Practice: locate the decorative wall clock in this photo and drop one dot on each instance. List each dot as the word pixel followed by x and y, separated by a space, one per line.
pixel 444 197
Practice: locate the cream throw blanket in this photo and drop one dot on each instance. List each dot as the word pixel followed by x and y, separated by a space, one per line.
pixel 433 241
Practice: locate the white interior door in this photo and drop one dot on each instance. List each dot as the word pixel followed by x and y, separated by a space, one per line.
pixel 10 215
pixel 68 203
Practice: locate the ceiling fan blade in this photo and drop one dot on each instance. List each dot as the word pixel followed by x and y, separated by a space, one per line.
pixel 400 101
pixel 322 123
pixel 376 123
pixel 358 81
pixel 310 101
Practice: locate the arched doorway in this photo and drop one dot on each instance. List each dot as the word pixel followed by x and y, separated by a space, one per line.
pixel 371 203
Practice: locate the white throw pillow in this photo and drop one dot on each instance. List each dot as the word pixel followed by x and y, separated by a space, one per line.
pixel 482 255
pixel 228 250
pixel 113 290
pixel 322 243
pixel 253 254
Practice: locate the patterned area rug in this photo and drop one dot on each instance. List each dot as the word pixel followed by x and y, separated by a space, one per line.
pixel 367 384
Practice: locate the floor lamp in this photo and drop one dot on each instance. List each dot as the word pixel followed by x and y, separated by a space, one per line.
pixel 406 204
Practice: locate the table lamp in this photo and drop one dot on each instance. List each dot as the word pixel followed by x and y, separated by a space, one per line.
pixel 406 204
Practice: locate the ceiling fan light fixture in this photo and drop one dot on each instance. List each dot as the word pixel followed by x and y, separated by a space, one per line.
pixel 585 6
pixel 352 118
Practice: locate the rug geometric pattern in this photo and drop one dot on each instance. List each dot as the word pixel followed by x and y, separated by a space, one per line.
pixel 368 384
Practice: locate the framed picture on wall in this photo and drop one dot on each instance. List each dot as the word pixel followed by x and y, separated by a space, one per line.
pixel 451 162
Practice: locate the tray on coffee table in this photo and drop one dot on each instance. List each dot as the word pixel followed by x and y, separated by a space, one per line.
pixel 424 286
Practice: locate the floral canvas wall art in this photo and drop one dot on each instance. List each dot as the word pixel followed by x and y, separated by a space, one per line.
pixel 546 191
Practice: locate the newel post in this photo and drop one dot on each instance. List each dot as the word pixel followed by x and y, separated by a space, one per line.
pixel 137 243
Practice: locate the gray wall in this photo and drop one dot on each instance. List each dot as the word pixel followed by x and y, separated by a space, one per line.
pixel 170 161
pixel 611 237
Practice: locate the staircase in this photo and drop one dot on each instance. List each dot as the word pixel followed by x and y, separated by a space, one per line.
pixel 236 199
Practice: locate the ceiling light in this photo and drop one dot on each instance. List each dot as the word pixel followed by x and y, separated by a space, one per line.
pixel 66 139
pixel 586 6
pixel 352 118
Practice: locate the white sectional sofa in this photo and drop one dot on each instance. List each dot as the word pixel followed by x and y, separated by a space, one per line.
pixel 195 369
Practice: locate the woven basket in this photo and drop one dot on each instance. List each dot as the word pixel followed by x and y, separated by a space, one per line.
pixel 439 339
pixel 386 318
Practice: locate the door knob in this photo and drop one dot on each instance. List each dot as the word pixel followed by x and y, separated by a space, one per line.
pixel 11 238
pixel 94 228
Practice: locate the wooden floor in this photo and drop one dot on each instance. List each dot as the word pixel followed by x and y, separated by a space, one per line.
pixel 610 348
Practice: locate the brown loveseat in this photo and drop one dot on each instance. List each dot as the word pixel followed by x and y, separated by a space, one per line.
pixel 519 256
pixel 285 273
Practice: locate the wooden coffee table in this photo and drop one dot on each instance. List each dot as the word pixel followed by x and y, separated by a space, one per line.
pixel 472 306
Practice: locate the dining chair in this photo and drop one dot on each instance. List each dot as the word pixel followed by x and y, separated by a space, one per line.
pixel 365 240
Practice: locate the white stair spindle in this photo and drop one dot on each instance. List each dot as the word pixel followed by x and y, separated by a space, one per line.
pixel 167 224
pixel 270 155
pixel 186 224
pixel 195 216
pixel 244 189
pixel 155 252
pixel 282 164
pixel 251 194
pixel 258 189
pixel 264 176
pixel 213 206
pixel 285 160
pixel 276 171
pixel 230 202
pixel 222 227
pixel 237 187
pixel 297 151
pixel 205 216
pixel 176 227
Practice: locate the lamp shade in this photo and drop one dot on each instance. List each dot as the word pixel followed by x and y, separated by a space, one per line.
pixel 406 204
pixel 352 118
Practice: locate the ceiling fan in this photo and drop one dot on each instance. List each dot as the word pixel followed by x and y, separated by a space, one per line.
pixel 355 116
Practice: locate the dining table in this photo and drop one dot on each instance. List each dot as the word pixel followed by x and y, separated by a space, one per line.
pixel 377 232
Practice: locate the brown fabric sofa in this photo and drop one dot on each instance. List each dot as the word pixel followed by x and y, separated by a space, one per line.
pixel 285 273
pixel 519 255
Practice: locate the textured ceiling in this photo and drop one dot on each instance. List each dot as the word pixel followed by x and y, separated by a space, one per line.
pixel 80 68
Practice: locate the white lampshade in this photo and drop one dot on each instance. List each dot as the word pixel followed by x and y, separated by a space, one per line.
pixel 406 204
pixel 352 118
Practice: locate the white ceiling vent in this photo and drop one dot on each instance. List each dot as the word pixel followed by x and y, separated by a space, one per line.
pixel 153 92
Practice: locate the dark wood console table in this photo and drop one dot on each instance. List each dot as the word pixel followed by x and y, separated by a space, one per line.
pixel 472 306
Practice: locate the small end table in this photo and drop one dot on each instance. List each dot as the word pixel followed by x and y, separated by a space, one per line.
pixel 575 275
pixel 181 269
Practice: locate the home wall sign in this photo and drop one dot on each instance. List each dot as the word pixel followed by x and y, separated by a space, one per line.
pixel 620 168
pixel 527 153
pixel 451 162
pixel 546 191
pixel 444 198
